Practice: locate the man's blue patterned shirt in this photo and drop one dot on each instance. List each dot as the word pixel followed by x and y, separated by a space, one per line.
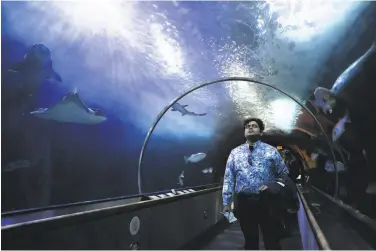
pixel 247 170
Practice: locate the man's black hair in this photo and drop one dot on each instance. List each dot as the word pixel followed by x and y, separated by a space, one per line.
pixel 258 121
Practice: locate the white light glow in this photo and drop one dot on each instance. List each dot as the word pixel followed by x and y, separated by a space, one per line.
pixel 302 19
pixel 168 49
pixel 109 18
pixel 121 42
pixel 97 16
pixel 283 113
pixel 250 101
pixel 244 95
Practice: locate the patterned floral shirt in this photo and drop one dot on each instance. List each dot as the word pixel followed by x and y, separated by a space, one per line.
pixel 247 170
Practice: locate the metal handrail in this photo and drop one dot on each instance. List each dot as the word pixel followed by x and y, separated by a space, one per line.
pixel 317 232
pixel 353 212
pixel 82 203
pixel 73 218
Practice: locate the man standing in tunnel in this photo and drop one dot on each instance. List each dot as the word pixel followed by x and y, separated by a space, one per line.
pixel 251 170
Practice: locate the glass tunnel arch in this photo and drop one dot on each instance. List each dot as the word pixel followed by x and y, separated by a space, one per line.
pixel 221 80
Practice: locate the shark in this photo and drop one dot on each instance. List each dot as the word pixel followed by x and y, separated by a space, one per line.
pixel 22 81
pixel 181 108
pixel 70 109
pixel 35 67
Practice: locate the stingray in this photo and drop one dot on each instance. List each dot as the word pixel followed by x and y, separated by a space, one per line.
pixel 71 109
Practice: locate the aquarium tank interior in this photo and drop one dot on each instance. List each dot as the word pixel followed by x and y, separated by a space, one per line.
pixel 83 82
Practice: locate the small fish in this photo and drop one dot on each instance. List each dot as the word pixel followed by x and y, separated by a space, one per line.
pixel 329 166
pixel 194 158
pixel 324 99
pixel 208 170
pixel 371 188
pixel 71 109
pixel 17 165
pixel 314 156
pixel 181 108
pixel 181 179
pixel 340 127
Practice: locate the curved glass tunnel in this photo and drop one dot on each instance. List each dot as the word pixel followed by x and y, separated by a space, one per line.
pixel 128 67
pixel 277 128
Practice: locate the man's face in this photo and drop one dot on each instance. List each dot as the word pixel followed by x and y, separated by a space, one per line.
pixel 252 129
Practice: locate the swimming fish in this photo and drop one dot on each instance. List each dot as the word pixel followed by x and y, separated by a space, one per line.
pixel 340 127
pixel 181 108
pixel 194 158
pixel 16 165
pixel 314 156
pixel 35 68
pixel 324 99
pixel 356 71
pixel 329 166
pixel 371 188
pixel 71 109
pixel 22 81
pixel 181 179
pixel 208 170
pixel 354 86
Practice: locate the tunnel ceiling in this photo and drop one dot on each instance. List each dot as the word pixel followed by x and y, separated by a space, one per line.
pixel 133 58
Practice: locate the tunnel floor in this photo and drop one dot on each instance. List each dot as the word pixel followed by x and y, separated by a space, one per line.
pixel 232 238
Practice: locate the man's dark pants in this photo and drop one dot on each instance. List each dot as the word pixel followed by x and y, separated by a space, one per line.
pixel 253 211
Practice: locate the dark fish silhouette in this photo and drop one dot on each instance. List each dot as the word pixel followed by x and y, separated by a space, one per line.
pixel 35 68
pixel 181 108
pixel 24 78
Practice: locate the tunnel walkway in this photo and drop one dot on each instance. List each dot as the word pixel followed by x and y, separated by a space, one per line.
pixel 140 223
pixel 231 238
